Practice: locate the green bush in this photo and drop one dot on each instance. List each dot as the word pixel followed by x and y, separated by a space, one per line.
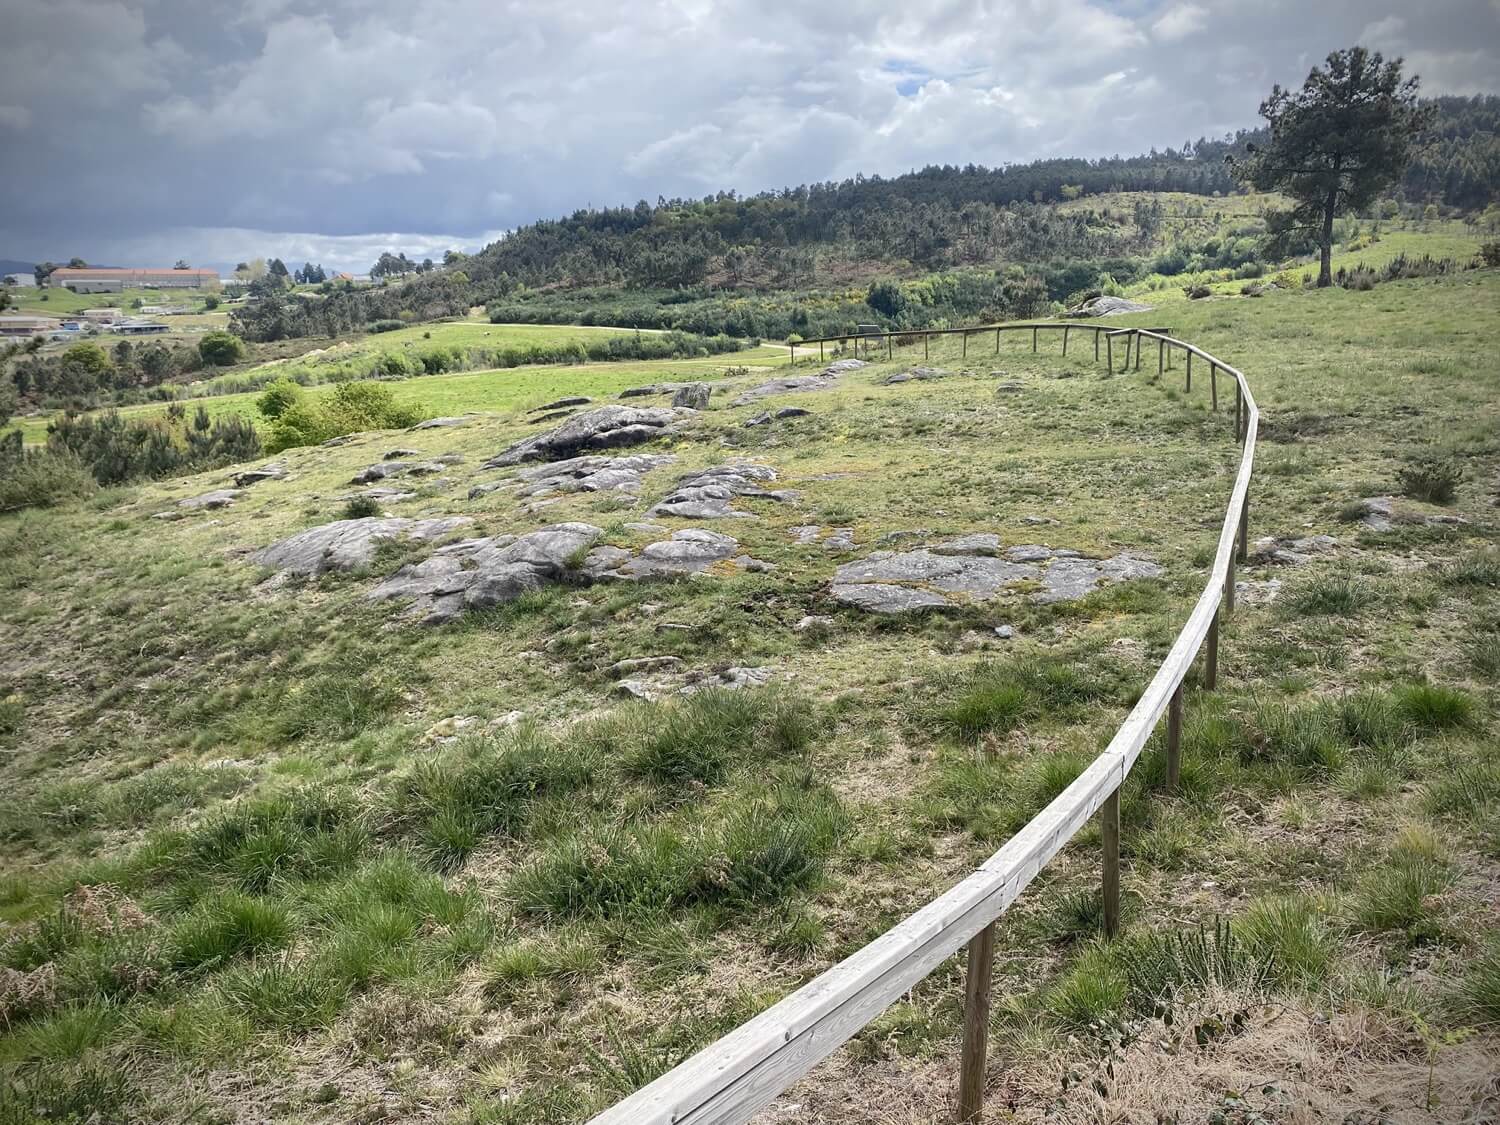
pixel 221 349
pixel 117 449
pixel 350 408
pixel 40 478
pixel 278 398
pixel 1434 481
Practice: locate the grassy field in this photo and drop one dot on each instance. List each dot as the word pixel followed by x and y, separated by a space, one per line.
pixel 64 302
pixel 270 856
pixel 507 389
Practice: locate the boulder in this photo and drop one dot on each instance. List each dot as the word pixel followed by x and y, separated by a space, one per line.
pixel 1381 513
pixel 705 494
pixel 605 427
pixel 348 544
pixel 559 404
pixel 274 470
pixel 1291 552
pixel 219 498
pixel 383 469
pixel 687 552
pixel 592 473
pixel 693 396
pixel 785 412
pixel 1107 306
pixel 479 573
pixel 442 423
pixel 398 454
pixel 918 374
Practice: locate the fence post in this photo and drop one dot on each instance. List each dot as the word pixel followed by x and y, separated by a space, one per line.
pixel 966 345
pixel 1245 528
pixel 1109 349
pixel 1211 656
pixel 1137 351
pixel 1190 373
pixel 888 354
pixel 1213 380
pixel 1238 435
pixel 1109 824
pixel 976 1026
pixel 1066 329
pixel 1229 586
pixel 1096 345
pixel 1161 356
pixel 1033 339
pixel 820 353
pixel 924 346
pixel 997 341
pixel 1174 740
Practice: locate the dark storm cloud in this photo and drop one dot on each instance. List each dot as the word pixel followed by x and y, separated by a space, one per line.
pixel 144 130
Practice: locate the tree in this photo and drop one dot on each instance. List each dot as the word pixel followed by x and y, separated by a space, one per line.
pixel 221 348
pixel 43 271
pixel 77 264
pixel 277 268
pixel 182 264
pixel 1335 145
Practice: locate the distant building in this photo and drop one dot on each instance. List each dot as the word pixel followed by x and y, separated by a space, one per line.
pixel 165 310
pixel 102 316
pixel 67 277
pixel 27 325
pixel 139 328
pixel 100 286
pixel 20 280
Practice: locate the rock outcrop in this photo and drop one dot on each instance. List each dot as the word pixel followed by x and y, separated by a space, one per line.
pixel 705 494
pixel 348 544
pixel 606 427
pixel 687 552
pixel 693 396
pixel 219 498
pixel 798 384
pixel 594 473
pixel 1107 306
pixel 479 573
pixel 273 470
pixel 918 374
pixel 973 568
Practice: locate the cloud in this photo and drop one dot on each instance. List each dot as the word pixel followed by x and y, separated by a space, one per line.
pixel 1179 22
pixel 351 116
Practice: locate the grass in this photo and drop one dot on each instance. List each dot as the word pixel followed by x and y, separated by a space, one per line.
pixel 451 863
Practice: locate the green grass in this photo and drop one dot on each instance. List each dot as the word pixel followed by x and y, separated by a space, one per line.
pixel 334 847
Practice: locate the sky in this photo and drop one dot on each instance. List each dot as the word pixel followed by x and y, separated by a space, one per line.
pixel 138 132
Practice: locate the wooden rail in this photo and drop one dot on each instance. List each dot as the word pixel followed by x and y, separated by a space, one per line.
pixel 1099 330
pixel 729 1080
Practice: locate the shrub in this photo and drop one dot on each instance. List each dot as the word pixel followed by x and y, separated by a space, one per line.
pixel 221 349
pixel 278 398
pixel 1434 481
pixel 40 478
pixel 361 507
pixel 1489 254
pixel 118 450
pixel 350 408
pixel 1432 707
pixel 384 326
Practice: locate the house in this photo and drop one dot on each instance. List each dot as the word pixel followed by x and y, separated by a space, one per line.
pixel 102 316
pixel 19 280
pixel 86 280
pixel 138 328
pixel 26 325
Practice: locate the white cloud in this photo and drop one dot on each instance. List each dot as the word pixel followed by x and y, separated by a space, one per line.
pixel 1179 22
pixel 458 115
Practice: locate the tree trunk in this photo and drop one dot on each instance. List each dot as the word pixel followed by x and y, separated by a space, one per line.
pixel 1325 242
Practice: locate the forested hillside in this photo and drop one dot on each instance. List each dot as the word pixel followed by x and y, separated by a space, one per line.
pixel 827 236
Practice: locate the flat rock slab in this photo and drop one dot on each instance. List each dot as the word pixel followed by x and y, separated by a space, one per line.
pixel 479 573
pixel 687 552
pixel 691 683
pixel 915 374
pixel 606 427
pixel 219 498
pixel 800 384
pixel 443 423
pixel 593 473
pixel 348 544
pixel 559 404
pixel 1381 513
pixel 838 540
pixel 1289 551
pixel 706 494
pixel 381 495
pixel 653 389
pixel 383 469
pixel 971 568
pixel 694 396
pixel 775 416
pixel 275 470
pixel 1107 306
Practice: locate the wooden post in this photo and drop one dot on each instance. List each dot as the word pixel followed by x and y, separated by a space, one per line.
pixel 1161 357
pixel 1174 740
pixel 1213 380
pixel 888 347
pixel 1245 528
pixel 1109 825
pixel 1066 329
pixel 1137 351
pixel 1190 373
pixel 924 347
pixel 820 352
pixel 966 345
pixel 1229 586
pixel 1109 349
pixel 1033 339
pixel 1096 345
pixel 1211 657
pixel 997 341
pixel 976 1026
pixel 1237 434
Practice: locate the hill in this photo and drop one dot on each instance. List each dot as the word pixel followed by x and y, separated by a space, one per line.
pixel 996 241
pixel 578 763
pixel 15 265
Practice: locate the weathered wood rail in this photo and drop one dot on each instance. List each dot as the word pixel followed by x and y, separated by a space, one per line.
pixel 732 1078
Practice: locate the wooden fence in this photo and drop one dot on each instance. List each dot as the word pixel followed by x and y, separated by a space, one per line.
pixel 729 1080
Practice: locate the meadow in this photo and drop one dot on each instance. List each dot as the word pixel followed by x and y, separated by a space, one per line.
pixel 270 853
